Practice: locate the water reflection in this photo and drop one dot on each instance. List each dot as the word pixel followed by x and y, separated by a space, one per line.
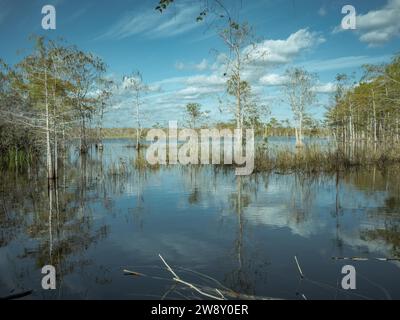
pixel 108 212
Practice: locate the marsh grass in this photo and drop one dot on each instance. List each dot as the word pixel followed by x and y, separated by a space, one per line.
pixel 326 158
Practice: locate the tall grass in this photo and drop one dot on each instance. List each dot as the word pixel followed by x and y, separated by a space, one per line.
pixel 316 158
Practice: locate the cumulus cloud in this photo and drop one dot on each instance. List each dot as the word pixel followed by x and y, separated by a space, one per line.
pixel 276 52
pixel 268 54
pixel 203 65
pixel 326 88
pixel 196 91
pixel 273 80
pixel 172 93
pixel 379 26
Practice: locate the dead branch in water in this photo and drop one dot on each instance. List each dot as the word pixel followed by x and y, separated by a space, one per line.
pixel 223 292
pixel 219 293
pixel 179 280
pixel 298 267
pixel 365 259
pixel 133 273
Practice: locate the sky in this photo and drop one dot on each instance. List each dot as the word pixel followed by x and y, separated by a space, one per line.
pixel 180 59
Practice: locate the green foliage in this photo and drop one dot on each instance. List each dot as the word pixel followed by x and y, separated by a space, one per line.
pixel 194 114
pixel 368 110
pixel 50 91
pixel 163 4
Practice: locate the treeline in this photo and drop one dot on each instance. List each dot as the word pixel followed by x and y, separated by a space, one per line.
pixel 54 91
pixel 368 111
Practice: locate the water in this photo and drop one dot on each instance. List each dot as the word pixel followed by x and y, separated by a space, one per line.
pixel 243 232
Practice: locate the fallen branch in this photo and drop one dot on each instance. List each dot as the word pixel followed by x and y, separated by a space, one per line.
pixel 133 273
pixel 298 267
pixel 179 280
pixel 365 259
pixel 223 292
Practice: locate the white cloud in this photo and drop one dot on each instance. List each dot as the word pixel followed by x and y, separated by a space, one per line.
pixel 325 88
pixel 152 24
pixel 275 52
pixel 343 62
pixel 199 86
pixel 190 93
pixel 269 53
pixel 273 80
pixel 154 88
pixel 206 80
pixel 378 26
pixel 201 66
pixel 178 90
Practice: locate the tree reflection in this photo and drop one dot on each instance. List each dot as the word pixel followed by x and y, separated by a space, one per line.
pixel 56 222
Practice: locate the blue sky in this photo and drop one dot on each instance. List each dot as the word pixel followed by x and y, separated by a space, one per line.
pixel 179 57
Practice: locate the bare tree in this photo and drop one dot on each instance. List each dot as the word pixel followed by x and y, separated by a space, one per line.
pixel 106 89
pixel 299 91
pixel 243 52
pixel 86 71
pixel 134 82
pixel 237 38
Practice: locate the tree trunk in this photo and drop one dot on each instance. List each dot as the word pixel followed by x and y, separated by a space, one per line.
pixel 299 134
pixel 375 124
pixel 137 123
pixel 50 174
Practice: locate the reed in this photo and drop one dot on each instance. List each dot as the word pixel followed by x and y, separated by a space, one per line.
pixel 317 158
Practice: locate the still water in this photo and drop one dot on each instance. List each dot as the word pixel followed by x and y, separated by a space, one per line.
pixel 244 233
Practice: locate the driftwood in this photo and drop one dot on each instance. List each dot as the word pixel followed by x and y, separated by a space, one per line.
pixel 198 290
pixel 223 293
pixel 220 293
pixel 299 268
pixel 365 259
pixel 133 273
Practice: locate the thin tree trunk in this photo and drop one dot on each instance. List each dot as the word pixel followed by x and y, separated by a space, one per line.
pixel 375 124
pixel 48 146
pixel 137 122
